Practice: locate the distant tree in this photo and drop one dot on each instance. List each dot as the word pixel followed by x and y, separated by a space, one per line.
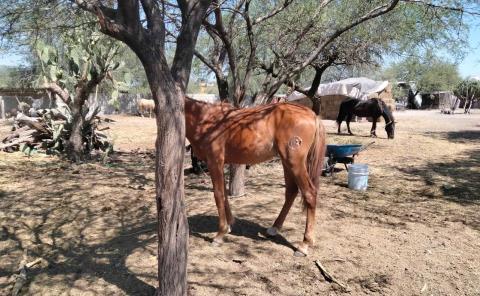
pixel 468 90
pixel 429 72
pixel 86 60
pixel 17 76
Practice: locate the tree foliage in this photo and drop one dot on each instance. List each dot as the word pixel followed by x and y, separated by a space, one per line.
pixel 336 35
pixel 468 90
pixel 430 73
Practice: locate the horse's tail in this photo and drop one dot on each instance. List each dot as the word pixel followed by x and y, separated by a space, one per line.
pixel 316 154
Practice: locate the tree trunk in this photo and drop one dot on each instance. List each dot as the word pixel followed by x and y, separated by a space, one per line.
pixel 170 153
pixel 316 105
pixel 470 103
pixel 222 85
pixel 236 185
pixel 74 149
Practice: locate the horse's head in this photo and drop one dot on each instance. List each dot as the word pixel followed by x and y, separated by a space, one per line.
pixel 390 128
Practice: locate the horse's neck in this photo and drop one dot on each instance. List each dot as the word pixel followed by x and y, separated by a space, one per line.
pixel 193 112
pixel 387 116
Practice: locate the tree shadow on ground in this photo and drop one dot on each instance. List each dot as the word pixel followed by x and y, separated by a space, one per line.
pixel 464 136
pixel 462 175
pixel 80 232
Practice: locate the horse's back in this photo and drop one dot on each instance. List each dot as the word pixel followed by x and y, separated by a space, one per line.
pixel 253 135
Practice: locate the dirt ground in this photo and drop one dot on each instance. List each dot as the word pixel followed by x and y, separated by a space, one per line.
pixel 415 231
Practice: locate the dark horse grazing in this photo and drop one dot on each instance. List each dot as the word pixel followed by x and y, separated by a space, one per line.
pixel 220 133
pixel 373 108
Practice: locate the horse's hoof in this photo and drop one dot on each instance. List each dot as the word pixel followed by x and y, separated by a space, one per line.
pixel 299 254
pixel 301 251
pixel 217 243
pixel 229 229
pixel 272 231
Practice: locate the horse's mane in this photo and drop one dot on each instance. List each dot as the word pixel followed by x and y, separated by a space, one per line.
pixel 386 110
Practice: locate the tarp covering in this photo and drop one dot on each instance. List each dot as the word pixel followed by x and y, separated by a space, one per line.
pixel 208 98
pixel 357 87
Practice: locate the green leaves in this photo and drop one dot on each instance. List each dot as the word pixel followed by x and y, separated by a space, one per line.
pixel 430 73
pixel 468 89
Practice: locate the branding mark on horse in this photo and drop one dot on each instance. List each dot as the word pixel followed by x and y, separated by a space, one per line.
pixel 294 142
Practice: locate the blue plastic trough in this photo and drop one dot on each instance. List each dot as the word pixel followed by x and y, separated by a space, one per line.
pixel 338 151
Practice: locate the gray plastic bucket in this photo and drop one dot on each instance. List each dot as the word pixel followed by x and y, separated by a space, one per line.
pixel 358 177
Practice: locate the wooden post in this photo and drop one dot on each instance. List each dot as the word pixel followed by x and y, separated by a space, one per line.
pixel 2 107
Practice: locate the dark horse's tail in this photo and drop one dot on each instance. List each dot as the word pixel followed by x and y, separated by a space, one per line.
pixel 316 154
pixel 342 113
pixel 346 107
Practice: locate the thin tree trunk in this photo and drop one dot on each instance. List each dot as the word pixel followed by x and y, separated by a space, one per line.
pixel 236 184
pixel 74 149
pixel 316 105
pixel 222 85
pixel 170 153
pixel 470 105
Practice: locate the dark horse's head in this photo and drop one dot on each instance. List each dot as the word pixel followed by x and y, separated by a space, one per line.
pixel 390 128
pixel 390 121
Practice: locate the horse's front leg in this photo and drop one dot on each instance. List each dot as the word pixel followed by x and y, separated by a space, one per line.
pixel 373 133
pixel 215 168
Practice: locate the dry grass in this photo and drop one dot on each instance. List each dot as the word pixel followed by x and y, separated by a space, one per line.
pixel 414 232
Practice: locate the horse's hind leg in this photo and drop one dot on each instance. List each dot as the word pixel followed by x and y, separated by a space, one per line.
pixel 310 201
pixel 296 162
pixel 291 191
pixel 228 211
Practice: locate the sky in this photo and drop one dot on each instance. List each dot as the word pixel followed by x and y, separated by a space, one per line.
pixel 470 66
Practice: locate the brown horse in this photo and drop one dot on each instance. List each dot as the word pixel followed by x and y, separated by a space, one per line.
pixel 222 134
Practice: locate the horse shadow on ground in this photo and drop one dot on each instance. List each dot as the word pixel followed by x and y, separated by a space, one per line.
pixel 205 227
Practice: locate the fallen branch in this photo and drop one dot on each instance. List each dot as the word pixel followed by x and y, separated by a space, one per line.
pixel 32 122
pixel 22 276
pixel 328 276
pixel 18 141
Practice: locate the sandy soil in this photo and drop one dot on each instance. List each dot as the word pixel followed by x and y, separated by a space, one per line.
pixel 415 231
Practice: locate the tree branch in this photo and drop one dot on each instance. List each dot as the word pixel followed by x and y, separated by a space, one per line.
pixel 207 63
pixel 193 13
pixel 378 11
pixel 56 89
pixel 272 13
pixel 439 6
